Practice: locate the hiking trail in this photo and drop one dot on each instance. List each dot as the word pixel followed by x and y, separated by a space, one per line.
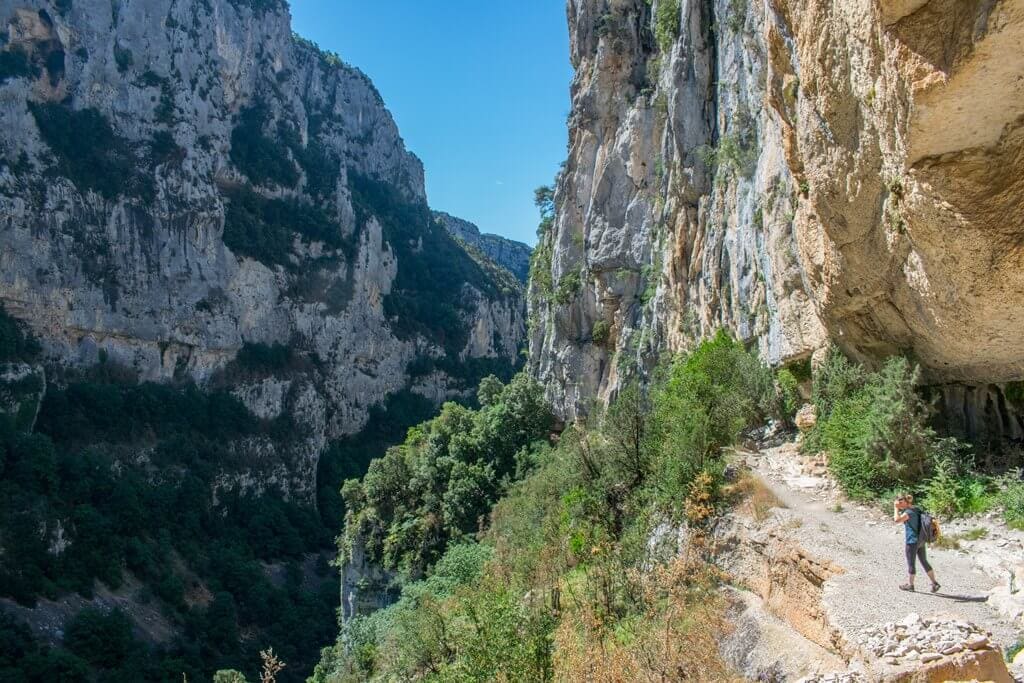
pixel 831 568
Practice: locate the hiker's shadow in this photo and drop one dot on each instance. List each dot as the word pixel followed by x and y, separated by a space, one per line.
pixel 959 598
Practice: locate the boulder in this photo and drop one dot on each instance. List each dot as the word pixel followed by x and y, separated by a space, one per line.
pixel 806 417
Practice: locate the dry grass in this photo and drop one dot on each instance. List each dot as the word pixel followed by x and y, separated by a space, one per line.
pixel 952 541
pixel 754 497
pixel 672 635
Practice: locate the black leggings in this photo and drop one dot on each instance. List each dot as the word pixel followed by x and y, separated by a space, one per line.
pixel 916 551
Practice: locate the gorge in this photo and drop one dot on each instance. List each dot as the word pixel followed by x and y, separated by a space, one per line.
pixel 227 301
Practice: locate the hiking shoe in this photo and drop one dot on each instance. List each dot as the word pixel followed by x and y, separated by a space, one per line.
pixel 907 587
pixel 935 588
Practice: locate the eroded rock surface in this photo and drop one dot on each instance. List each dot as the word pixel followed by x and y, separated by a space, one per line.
pixel 509 254
pixel 800 172
pixel 182 179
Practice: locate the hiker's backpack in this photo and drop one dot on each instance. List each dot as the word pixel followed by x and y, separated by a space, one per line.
pixel 929 531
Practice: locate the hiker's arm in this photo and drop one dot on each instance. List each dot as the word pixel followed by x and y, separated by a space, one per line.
pixel 897 517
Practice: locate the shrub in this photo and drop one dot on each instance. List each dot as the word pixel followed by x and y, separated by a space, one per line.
pixel 737 15
pixel 261 7
pixel 737 150
pixel 265 357
pixel 117 515
pixel 707 399
pixel 104 639
pixel 789 393
pixel 163 149
pixel 667 20
pixel 569 286
pixel 600 332
pixel 89 152
pixel 16 344
pixel 953 490
pixel 873 425
pixel 15 63
pixel 837 378
pixel 258 156
pixel 1011 497
pixel 264 229
pixel 123 58
pixel 570 588
pixel 431 266
pixel 437 486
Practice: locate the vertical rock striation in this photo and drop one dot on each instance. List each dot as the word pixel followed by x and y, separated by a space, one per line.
pixel 180 179
pixel 800 172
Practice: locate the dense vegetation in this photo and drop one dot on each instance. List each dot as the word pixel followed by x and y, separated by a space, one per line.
pixel 15 63
pixel 569 532
pixel 426 296
pixel 89 152
pixel 265 229
pixel 436 486
pixel 349 457
pixel 261 7
pixel 259 156
pixel 541 279
pixel 15 343
pixel 79 477
pixel 876 428
pixel 667 19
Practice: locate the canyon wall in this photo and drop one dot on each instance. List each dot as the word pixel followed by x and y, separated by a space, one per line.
pixel 801 173
pixel 183 179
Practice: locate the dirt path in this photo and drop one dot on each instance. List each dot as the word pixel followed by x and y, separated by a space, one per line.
pixel 869 548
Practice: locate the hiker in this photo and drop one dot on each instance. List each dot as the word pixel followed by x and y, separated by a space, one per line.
pixel 904 511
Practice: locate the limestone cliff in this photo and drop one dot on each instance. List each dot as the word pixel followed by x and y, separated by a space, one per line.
pixel 181 179
pixel 509 254
pixel 800 172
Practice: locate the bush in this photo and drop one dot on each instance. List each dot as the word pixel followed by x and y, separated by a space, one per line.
pixel 567 561
pixel 16 344
pixel 268 358
pixel 707 399
pixel 89 152
pixel 117 515
pixel 104 639
pixel 91 411
pixel 163 149
pixel 667 20
pixel 457 624
pixel 437 486
pixel 123 57
pixel 1011 497
pixel 261 7
pixel 258 156
pixel 425 297
pixel 789 393
pixel 265 229
pixel 874 426
pixel 954 491
pixel 350 456
pixel 15 63
pixel 568 287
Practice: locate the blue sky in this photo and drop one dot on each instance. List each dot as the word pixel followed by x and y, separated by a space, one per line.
pixel 480 91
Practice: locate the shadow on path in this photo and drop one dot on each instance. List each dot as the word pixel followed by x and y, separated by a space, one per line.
pixel 956 598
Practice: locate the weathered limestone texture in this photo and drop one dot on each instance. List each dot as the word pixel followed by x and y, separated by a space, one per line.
pixel 800 172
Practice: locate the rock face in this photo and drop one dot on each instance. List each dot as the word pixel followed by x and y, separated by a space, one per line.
pixel 509 254
pixel 800 172
pixel 182 179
